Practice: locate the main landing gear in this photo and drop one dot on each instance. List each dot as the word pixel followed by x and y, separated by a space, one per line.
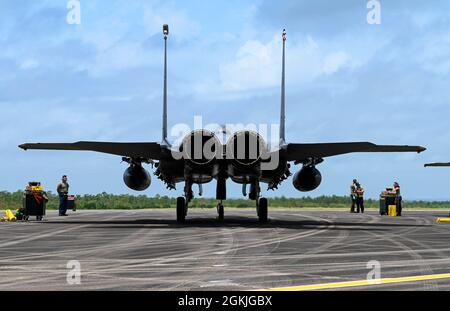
pixel 261 203
pixel 182 202
pixel 262 210
pixel 181 209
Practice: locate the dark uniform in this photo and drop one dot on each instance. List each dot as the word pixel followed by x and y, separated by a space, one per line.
pixel 63 191
pixel 360 199
pixel 398 199
pixel 353 197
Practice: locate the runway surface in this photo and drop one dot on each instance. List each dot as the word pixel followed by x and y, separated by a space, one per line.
pixel 148 250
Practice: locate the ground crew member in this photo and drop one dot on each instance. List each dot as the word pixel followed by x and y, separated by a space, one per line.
pixel 396 189
pixel 63 191
pixel 353 195
pixel 359 198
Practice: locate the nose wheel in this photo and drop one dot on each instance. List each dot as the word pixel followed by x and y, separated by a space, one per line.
pixel 262 210
pixel 220 211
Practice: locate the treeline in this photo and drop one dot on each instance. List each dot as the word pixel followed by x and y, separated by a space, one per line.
pixel 13 200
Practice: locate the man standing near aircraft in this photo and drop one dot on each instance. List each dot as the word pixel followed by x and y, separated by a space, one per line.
pixel 353 195
pixel 63 191
pixel 396 189
pixel 359 198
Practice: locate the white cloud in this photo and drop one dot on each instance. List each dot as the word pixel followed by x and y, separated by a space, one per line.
pixel 433 51
pixel 53 120
pixel 29 64
pixel 333 62
pixel 120 50
pixel 126 55
pixel 255 66
pixel 104 43
pixel 258 65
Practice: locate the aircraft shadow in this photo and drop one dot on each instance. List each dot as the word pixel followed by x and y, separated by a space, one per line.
pixel 233 222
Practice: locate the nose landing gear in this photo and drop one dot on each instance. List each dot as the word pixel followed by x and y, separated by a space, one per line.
pixel 220 211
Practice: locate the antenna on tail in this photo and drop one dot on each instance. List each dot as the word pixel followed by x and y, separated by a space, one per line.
pixel 283 107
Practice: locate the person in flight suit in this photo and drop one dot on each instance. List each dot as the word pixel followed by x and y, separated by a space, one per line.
pixel 359 198
pixel 396 189
pixel 63 191
pixel 353 195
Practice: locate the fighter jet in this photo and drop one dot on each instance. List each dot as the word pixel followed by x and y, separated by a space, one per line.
pixel 439 164
pixel 245 158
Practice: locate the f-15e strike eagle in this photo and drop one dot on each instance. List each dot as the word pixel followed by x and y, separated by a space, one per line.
pixel 244 158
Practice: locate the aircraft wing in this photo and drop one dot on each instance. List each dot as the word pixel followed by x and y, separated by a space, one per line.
pixel 437 164
pixel 298 152
pixel 147 150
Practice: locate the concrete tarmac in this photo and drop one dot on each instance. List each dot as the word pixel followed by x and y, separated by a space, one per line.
pixel 148 250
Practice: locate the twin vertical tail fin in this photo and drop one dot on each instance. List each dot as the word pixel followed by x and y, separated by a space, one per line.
pixel 164 118
pixel 283 95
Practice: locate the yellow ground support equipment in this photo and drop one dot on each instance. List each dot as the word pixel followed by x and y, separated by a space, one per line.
pixel 387 200
pixel 9 216
pixel 392 210
pixel 37 188
pixel 34 201
pixel 443 219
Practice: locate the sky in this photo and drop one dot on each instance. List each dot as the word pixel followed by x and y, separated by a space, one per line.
pixel 347 80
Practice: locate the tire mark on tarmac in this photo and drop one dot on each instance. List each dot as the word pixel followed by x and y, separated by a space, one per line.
pixel 233 249
pixel 277 241
pixel 334 240
pixel 143 242
pixel 45 234
pixel 418 259
pixel 173 269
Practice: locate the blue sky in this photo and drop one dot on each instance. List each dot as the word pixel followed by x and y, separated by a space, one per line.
pixel 346 80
